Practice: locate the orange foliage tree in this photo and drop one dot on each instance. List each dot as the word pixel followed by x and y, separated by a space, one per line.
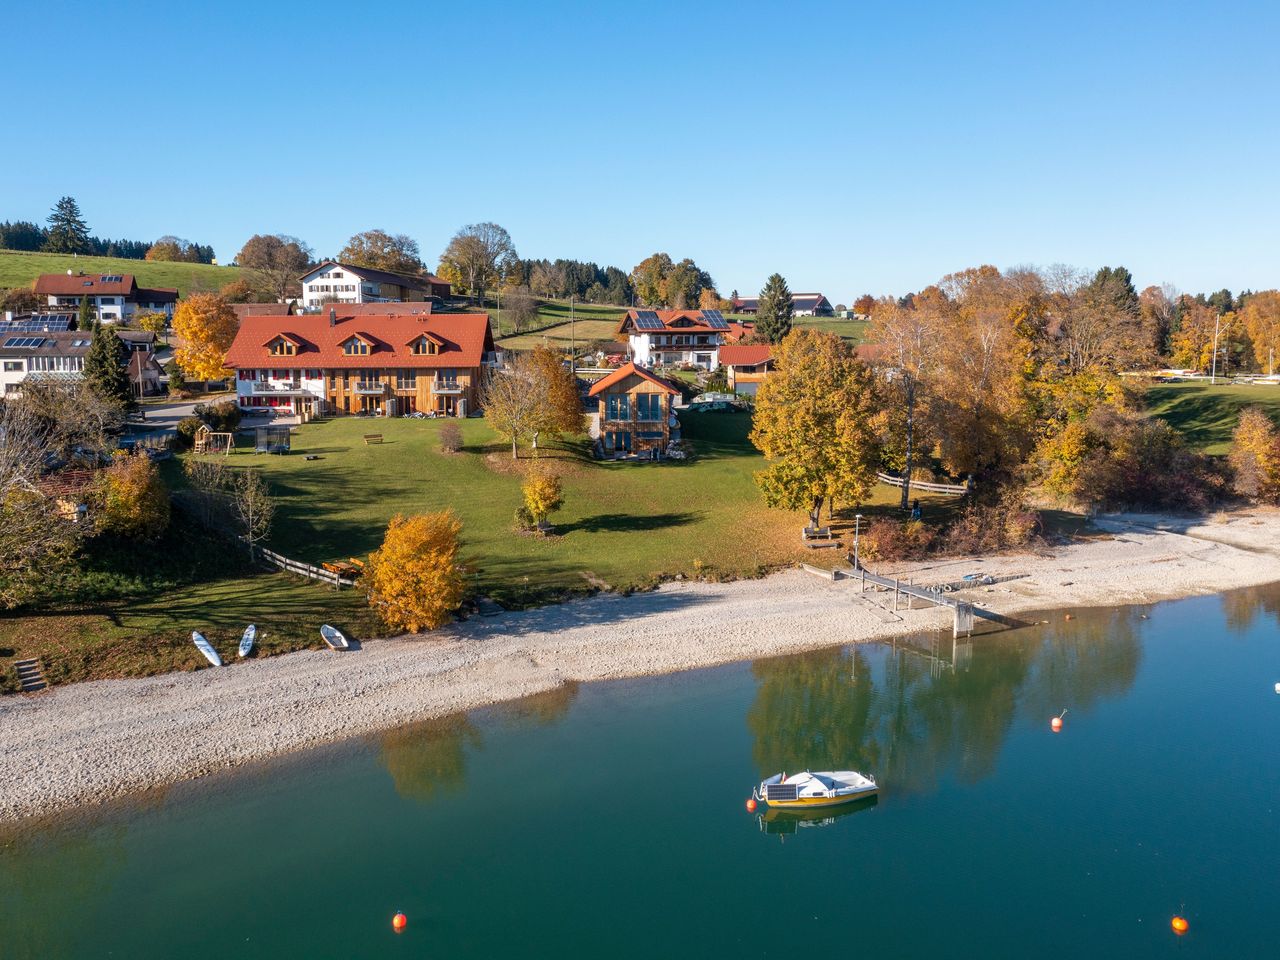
pixel 414 580
pixel 206 325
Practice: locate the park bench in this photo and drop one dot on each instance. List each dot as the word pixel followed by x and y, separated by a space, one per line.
pixel 372 438
pixel 816 533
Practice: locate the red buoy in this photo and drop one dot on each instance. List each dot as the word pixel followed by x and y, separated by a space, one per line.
pixel 1179 925
pixel 751 805
pixel 399 922
pixel 1056 724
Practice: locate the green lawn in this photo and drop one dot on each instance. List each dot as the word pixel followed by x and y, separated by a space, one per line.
pixel 854 330
pixel 19 269
pixel 1205 415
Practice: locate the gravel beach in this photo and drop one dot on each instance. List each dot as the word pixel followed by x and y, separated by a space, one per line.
pixel 90 742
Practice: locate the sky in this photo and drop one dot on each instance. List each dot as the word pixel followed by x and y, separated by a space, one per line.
pixel 852 147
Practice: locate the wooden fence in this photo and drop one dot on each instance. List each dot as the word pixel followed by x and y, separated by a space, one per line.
pixel 956 489
pixel 304 569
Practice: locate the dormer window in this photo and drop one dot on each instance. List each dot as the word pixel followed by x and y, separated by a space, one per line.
pixel 355 347
pixel 425 346
pixel 280 347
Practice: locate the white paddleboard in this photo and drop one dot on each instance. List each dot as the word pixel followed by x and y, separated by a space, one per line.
pixel 205 647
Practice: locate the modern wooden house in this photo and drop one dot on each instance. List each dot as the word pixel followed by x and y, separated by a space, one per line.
pixel 391 365
pixel 634 415
pixel 746 365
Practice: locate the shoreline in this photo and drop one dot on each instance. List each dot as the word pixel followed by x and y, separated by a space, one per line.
pixel 102 740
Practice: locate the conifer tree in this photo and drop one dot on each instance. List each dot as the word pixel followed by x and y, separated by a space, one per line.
pixel 773 320
pixel 104 368
pixel 85 320
pixel 68 232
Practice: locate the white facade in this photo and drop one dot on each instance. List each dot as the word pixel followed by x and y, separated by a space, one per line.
pixel 12 371
pixel 671 347
pixel 280 390
pixel 110 308
pixel 334 283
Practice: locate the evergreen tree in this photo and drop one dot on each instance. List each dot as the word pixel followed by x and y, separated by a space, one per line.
pixel 85 318
pixel 773 321
pixel 105 367
pixel 68 232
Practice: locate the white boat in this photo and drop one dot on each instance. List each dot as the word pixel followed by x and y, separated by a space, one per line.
pixel 334 637
pixel 246 642
pixel 205 647
pixel 813 789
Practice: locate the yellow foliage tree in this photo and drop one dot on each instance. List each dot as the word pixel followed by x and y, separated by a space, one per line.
pixel 414 579
pixel 206 325
pixel 134 502
pixel 1261 316
pixel 155 323
pixel 1255 456
pixel 813 422
pixel 543 494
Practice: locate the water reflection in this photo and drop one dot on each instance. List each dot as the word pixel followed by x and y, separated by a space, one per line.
pixel 787 822
pixel 914 711
pixel 429 758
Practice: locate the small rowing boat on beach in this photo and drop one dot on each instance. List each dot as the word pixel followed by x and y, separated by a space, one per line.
pixel 246 642
pixel 809 790
pixel 205 647
pixel 334 637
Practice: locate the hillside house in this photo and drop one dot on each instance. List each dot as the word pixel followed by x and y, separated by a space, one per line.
pixel 114 297
pixel 802 305
pixel 746 366
pixel 346 363
pixel 675 337
pixel 57 356
pixel 634 414
pixel 333 282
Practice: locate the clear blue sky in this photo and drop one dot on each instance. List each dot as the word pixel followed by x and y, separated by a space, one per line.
pixel 854 147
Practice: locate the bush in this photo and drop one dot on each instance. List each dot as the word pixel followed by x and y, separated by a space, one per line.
pixel 450 437
pixel 524 521
pixel 177 379
pixel 891 540
pixel 186 431
pixel 991 527
pixel 1255 457
pixel 222 417
pixel 133 500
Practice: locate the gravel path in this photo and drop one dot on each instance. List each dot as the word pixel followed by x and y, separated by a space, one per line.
pixel 94 741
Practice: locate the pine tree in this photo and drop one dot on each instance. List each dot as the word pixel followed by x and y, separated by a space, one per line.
pixel 773 319
pixel 85 320
pixel 105 368
pixel 68 232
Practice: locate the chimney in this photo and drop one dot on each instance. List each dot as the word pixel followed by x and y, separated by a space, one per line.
pixel 333 317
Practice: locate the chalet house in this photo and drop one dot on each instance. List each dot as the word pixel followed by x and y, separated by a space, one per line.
pixel 114 297
pixel 663 337
pixel 634 416
pixel 746 365
pixel 333 282
pixel 346 363
pixel 57 356
pixel 802 305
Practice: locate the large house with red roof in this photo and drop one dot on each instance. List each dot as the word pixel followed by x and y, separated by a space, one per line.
pixel 344 362
pixel 334 282
pixel 746 365
pixel 114 297
pixel 634 415
pixel 677 337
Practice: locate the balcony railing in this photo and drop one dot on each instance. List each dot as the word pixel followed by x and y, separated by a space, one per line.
pixel 440 385
pixel 369 386
pixel 266 386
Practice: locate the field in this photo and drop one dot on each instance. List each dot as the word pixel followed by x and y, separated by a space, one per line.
pixel 854 330
pixel 1206 414
pixel 19 269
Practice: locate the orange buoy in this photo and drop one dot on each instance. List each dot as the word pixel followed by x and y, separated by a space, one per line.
pixel 751 805
pixel 399 922
pixel 1179 925
pixel 1056 724
pixel 1067 617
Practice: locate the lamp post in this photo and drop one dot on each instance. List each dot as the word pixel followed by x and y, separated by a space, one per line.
pixel 857 524
pixel 573 339
pixel 1213 375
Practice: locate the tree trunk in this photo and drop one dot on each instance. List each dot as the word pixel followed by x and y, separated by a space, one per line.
pixel 911 424
pixel 514 455
pixel 815 512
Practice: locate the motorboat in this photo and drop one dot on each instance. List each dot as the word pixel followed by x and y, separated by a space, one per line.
pixel 334 637
pixel 814 789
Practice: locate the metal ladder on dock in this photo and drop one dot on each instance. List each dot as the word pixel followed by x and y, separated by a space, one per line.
pixel 30 675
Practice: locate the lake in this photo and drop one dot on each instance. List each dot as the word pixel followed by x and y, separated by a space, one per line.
pixel 609 819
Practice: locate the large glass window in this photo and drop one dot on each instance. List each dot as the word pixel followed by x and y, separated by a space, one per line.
pixel 617 407
pixel 649 406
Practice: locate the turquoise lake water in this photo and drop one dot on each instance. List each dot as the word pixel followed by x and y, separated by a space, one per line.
pixel 608 819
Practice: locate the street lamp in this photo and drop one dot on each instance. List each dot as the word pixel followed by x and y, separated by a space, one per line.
pixel 857 523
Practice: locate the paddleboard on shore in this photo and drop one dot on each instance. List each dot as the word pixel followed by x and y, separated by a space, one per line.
pixel 246 642
pixel 205 647
pixel 334 637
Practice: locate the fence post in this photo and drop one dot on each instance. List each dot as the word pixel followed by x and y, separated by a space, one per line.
pixel 895 594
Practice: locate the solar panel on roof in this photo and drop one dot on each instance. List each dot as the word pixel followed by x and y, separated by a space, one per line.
pixel 24 341
pixel 36 324
pixel 715 320
pixel 648 320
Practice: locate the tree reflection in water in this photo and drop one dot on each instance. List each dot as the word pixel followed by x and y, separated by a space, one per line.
pixel 891 711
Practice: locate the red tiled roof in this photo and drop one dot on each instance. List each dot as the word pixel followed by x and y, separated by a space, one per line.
pixel 414 307
pixel 738 330
pixel 466 338
pixel 79 284
pixel 262 309
pixel 631 369
pixel 749 355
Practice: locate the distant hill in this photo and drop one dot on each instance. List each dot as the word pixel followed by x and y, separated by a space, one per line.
pixel 19 269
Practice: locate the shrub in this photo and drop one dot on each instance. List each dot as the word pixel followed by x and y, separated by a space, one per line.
pixel 990 527
pixel 542 494
pixel 177 379
pixel 1255 456
pixel 450 437
pixel 186 431
pixel 524 521
pixel 891 540
pixel 222 417
pixel 134 501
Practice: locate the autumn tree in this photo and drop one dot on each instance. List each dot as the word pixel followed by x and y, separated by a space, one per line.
pixel 1260 315
pixel 1193 341
pixel 153 322
pixel 1157 308
pixel 1255 456
pixel 67 231
pixel 21 300
pixel 542 493
pixel 520 307
pixel 480 253
pixel 380 250
pixel 414 580
pixel 533 395
pixel 133 499
pixel 254 507
pixel 864 305
pixel 105 368
pixel 275 264
pixel 206 325
pixel 773 318
pixel 813 425
pixel 240 291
